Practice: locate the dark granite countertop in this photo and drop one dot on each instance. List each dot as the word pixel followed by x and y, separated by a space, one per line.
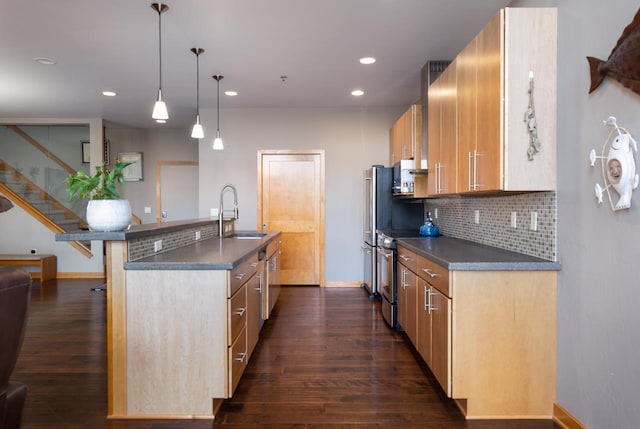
pixel 136 231
pixel 211 254
pixel 462 255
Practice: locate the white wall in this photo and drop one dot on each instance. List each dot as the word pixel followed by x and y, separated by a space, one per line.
pixel 599 323
pixel 598 318
pixel 163 144
pixel 353 139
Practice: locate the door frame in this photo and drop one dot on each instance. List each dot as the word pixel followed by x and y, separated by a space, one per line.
pixel 159 166
pixel 321 226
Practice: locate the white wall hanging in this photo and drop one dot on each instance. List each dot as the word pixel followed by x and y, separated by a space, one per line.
pixel 618 166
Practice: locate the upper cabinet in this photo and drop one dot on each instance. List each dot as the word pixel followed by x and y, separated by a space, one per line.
pixel 513 55
pixel 405 136
pixel 442 133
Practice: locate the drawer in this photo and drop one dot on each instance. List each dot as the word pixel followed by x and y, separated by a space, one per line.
pixel 243 272
pixel 237 359
pixel 237 313
pixel 434 274
pixel 408 259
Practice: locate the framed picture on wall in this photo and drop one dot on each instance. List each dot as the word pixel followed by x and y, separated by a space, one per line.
pixel 86 152
pixel 133 172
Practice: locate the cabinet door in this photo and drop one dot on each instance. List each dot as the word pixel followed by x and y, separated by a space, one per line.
pixel 439 309
pixel 254 311
pixel 489 152
pixel 466 70
pixel 424 322
pixel 449 132
pixel 443 133
pixel 434 112
pixel 412 308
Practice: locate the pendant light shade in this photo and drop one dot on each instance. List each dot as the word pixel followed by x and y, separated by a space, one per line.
pixel 160 112
pixel 217 142
pixel 197 132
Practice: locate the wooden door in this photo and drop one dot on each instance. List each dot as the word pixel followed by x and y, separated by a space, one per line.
pixel 291 200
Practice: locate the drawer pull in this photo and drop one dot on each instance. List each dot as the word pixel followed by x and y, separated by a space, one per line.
pixel 404 258
pixel 241 357
pixel 240 312
pixel 254 264
pixel 239 276
pixel 430 274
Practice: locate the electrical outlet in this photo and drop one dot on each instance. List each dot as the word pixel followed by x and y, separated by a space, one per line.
pixel 213 212
pixel 477 216
pixel 197 235
pixel 435 212
pixel 34 251
pixel 157 246
pixel 534 221
pixel 147 209
pixel 514 219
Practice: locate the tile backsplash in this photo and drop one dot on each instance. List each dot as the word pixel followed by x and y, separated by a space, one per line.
pixel 142 247
pixel 456 218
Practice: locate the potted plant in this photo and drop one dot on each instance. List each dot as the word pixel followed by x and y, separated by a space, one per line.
pixel 105 210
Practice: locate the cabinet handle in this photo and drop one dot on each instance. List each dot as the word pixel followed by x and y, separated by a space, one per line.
pixel 469 172
pixel 430 274
pixel 241 357
pixel 240 311
pixel 254 264
pixel 475 170
pixel 404 279
pixel 404 258
pixel 428 294
pixel 239 276
pixel 425 298
pixel 431 307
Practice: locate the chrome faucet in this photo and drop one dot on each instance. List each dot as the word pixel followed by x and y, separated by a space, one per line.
pixel 235 207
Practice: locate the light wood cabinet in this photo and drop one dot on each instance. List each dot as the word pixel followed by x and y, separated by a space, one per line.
pixel 493 81
pixel 489 337
pixel 434 321
pixel 407 294
pixel 254 306
pixel 272 270
pixel 442 151
pixel 405 136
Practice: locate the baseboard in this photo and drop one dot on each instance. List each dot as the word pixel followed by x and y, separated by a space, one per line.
pixel 80 275
pixel 343 284
pixel 565 419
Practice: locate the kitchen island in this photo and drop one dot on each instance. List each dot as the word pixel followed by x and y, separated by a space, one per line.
pixel 184 311
pixel 484 320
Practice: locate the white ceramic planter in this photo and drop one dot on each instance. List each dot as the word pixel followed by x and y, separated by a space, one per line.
pixel 108 215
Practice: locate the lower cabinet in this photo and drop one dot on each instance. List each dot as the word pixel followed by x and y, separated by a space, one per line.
pixel 488 337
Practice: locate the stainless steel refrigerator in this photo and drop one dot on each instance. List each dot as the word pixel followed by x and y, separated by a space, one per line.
pixel 383 212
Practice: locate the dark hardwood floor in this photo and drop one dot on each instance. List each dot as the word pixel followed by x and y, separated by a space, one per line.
pixel 325 360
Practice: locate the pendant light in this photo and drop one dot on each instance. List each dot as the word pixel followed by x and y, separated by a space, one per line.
pixel 217 143
pixel 197 132
pixel 160 113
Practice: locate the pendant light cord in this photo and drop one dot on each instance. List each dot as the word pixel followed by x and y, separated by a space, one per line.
pixel 198 82
pixel 218 92
pixel 160 41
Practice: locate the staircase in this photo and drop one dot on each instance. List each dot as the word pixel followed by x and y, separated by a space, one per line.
pixel 43 207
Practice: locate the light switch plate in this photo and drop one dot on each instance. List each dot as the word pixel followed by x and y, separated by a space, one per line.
pixel 157 246
pixel 534 221
pixel 514 219
pixel 147 209
pixel 477 217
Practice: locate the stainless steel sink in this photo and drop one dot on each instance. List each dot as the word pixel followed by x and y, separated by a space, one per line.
pixel 247 235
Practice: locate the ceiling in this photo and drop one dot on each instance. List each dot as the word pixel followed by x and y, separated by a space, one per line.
pixel 113 45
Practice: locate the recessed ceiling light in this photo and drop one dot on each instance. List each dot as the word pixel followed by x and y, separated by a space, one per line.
pixel 231 93
pixel 367 60
pixel 109 93
pixel 357 92
pixel 44 61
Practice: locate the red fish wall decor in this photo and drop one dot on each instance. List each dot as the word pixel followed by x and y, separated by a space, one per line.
pixel 623 63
